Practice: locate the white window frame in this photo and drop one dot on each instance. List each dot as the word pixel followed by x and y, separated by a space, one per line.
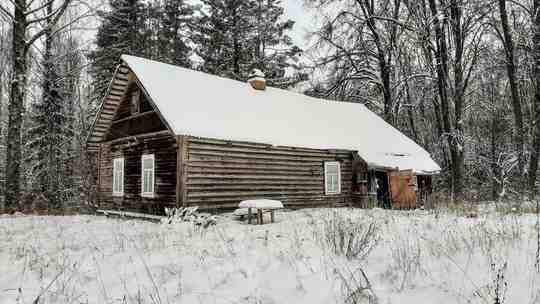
pixel 328 176
pixel 118 189
pixel 143 158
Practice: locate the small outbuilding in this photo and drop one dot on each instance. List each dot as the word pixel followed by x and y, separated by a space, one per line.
pixel 168 136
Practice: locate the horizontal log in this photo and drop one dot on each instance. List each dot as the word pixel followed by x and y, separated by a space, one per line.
pixel 251 187
pixel 248 177
pixel 259 171
pixel 283 198
pixel 195 159
pixel 254 166
pixel 204 181
pixel 272 151
pixel 259 145
pixel 251 193
pixel 237 155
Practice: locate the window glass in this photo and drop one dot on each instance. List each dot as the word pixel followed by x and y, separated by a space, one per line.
pixel 118 176
pixel 147 175
pixel 332 177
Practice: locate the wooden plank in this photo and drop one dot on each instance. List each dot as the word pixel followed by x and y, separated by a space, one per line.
pixel 123 70
pixel 131 117
pixel 152 136
pixel 121 81
pixel 135 215
pixel 113 98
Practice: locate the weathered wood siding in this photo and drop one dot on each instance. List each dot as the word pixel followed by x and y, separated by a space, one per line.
pixel 163 146
pixel 219 174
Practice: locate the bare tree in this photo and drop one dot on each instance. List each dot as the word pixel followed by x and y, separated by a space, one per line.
pixel 535 153
pixel 362 38
pixel 508 43
pixel 26 15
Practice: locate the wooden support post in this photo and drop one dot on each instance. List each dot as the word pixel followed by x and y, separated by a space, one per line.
pixel 259 211
pixel 249 215
pixel 272 215
pixel 181 176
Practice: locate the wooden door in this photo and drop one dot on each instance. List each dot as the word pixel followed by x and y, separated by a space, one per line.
pixel 402 189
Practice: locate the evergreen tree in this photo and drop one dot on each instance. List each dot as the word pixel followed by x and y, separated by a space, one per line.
pixel 50 133
pixel 122 31
pixel 222 38
pixel 235 36
pixel 176 18
pixel 272 49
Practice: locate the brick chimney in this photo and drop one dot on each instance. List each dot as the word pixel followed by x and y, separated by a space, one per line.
pixel 256 80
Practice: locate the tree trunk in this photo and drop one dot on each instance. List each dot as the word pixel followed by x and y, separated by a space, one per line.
pixel 2 184
pixel 535 153
pixel 16 107
pixel 457 136
pixel 511 71
pixel 441 56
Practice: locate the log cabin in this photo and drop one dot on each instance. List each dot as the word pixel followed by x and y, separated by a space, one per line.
pixel 168 136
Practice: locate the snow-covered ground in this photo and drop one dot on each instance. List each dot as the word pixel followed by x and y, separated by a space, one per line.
pixel 416 257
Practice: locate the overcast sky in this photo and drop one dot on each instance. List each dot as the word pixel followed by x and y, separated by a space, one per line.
pixel 304 18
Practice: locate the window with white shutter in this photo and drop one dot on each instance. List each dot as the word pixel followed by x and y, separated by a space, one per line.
pixel 118 176
pixel 147 185
pixel 332 177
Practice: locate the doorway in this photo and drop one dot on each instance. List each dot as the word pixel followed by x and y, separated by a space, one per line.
pixel 383 194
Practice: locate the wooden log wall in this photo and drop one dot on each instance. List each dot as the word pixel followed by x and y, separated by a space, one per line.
pixel 163 146
pixel 219 174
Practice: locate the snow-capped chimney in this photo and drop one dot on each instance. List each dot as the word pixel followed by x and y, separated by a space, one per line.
pixel 256 80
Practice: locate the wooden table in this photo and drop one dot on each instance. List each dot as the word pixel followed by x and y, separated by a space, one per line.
pixel 262 205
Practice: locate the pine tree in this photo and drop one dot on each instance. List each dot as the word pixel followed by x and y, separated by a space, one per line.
pixel 176 18
pixel 222 38
pixel 49 133
pixel 122 31
pixel 236 36
pixel 273 50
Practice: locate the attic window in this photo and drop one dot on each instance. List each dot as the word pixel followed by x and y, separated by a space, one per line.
pixel 135 105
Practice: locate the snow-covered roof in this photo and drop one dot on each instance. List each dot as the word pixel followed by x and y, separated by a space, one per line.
pixel 198 104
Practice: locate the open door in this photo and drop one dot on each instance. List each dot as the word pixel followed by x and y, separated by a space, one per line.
pixel 403 189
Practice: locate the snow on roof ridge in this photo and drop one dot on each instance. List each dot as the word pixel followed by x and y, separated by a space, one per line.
pixel 204 105
pixel 339 102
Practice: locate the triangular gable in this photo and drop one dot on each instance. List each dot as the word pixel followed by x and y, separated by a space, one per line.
pixel 123 79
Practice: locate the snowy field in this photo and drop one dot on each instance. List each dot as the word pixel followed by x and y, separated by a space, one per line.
pixel 305 257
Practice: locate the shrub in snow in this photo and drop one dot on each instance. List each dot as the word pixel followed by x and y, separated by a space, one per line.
pixel 406 262
pixel 348 237
pixel 356 287
pixel 188 214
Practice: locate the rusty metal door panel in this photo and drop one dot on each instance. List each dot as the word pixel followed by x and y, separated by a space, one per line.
pixel 402 189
